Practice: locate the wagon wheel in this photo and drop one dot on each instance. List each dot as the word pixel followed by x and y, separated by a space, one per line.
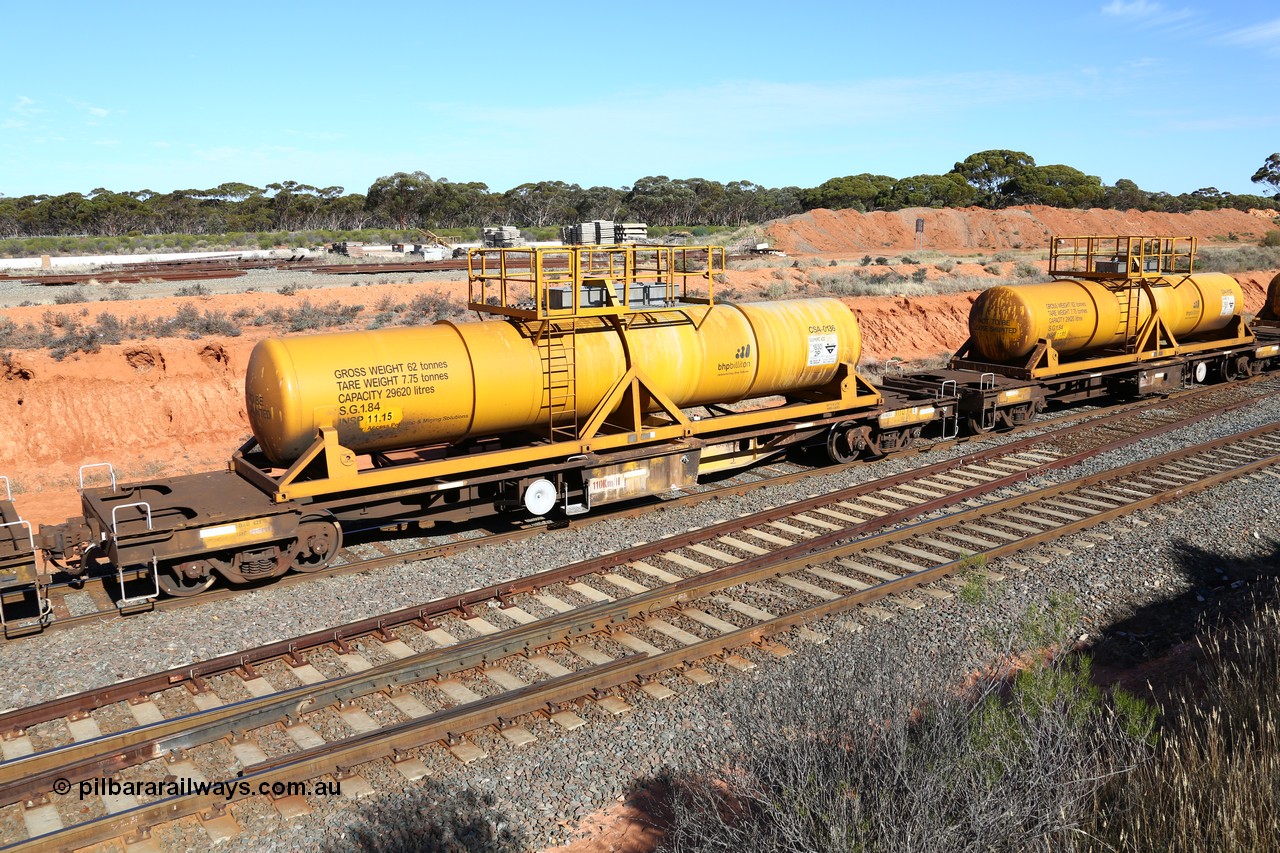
pixel 317 544
pixel 845 442
pixel 186 579
pixel 976 426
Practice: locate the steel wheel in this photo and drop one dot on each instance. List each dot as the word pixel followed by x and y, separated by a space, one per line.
pixel 846 442
pixel 317 544
pixel 185 579
pixel 976 426
pixel 840 448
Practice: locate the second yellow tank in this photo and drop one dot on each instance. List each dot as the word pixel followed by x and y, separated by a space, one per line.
pixel 1271 308
pixel 1078 316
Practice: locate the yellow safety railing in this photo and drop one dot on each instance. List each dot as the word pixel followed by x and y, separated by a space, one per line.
pixel 1121 258
pixel 561 282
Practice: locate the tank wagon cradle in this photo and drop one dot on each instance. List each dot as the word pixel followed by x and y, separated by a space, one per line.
pixel 607 377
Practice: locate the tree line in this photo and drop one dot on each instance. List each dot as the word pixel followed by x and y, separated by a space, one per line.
pixel 991 179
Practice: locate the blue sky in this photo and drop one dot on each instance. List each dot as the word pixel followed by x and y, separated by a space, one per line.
pixel 1175 96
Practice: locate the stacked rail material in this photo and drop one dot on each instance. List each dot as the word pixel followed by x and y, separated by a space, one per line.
pixel 595 232
pixel 502 237
pixel 347 248
pixel 429 253
pixel 630 232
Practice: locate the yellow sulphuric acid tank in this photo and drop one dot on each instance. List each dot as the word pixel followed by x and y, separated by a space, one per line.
pixel 1271 308
pixel 397 388
pixel 1006 322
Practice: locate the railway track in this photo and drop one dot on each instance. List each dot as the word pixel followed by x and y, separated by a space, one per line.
pixel 328 707
pixel 187 270
pixel 95 597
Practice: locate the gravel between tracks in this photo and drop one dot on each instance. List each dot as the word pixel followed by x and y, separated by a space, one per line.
pixel 547 785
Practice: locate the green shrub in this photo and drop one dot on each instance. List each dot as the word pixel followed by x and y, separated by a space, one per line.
pixel 1238 259
pixel 70 297
pixel 307 316
pixel 73 338
pixel 109 329
pixel 429 307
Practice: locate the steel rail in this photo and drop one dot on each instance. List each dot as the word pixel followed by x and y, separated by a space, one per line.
pixel 339 756
pixel 1093 418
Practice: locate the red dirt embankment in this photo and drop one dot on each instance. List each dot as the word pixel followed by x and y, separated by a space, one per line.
pixel 150 408
pixel 173 405
pixel 841 233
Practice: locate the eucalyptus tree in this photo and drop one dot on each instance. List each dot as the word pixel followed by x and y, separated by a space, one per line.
pixel 542 203
pixel 396 199
pixel 949 190
pixel 861 192
pixel 1055 186
pixel 1269 173
pixel 990 171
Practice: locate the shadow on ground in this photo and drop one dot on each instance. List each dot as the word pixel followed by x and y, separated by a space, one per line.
pixel 1219 591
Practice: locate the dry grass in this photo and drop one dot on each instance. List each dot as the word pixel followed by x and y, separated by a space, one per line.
pixel 887 757
pixel 1213 779
pixel 875 370
pixel 882 281
pixel 1237 259
pixel 893 756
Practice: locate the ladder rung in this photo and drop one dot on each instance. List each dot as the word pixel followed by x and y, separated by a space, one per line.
pixel 560 393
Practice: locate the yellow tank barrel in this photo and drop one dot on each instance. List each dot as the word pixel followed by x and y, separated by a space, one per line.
pixel 398 388
pixel 1083 315
pixel 1271 308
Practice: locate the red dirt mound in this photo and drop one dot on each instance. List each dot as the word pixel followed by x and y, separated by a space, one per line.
pixel 843 232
